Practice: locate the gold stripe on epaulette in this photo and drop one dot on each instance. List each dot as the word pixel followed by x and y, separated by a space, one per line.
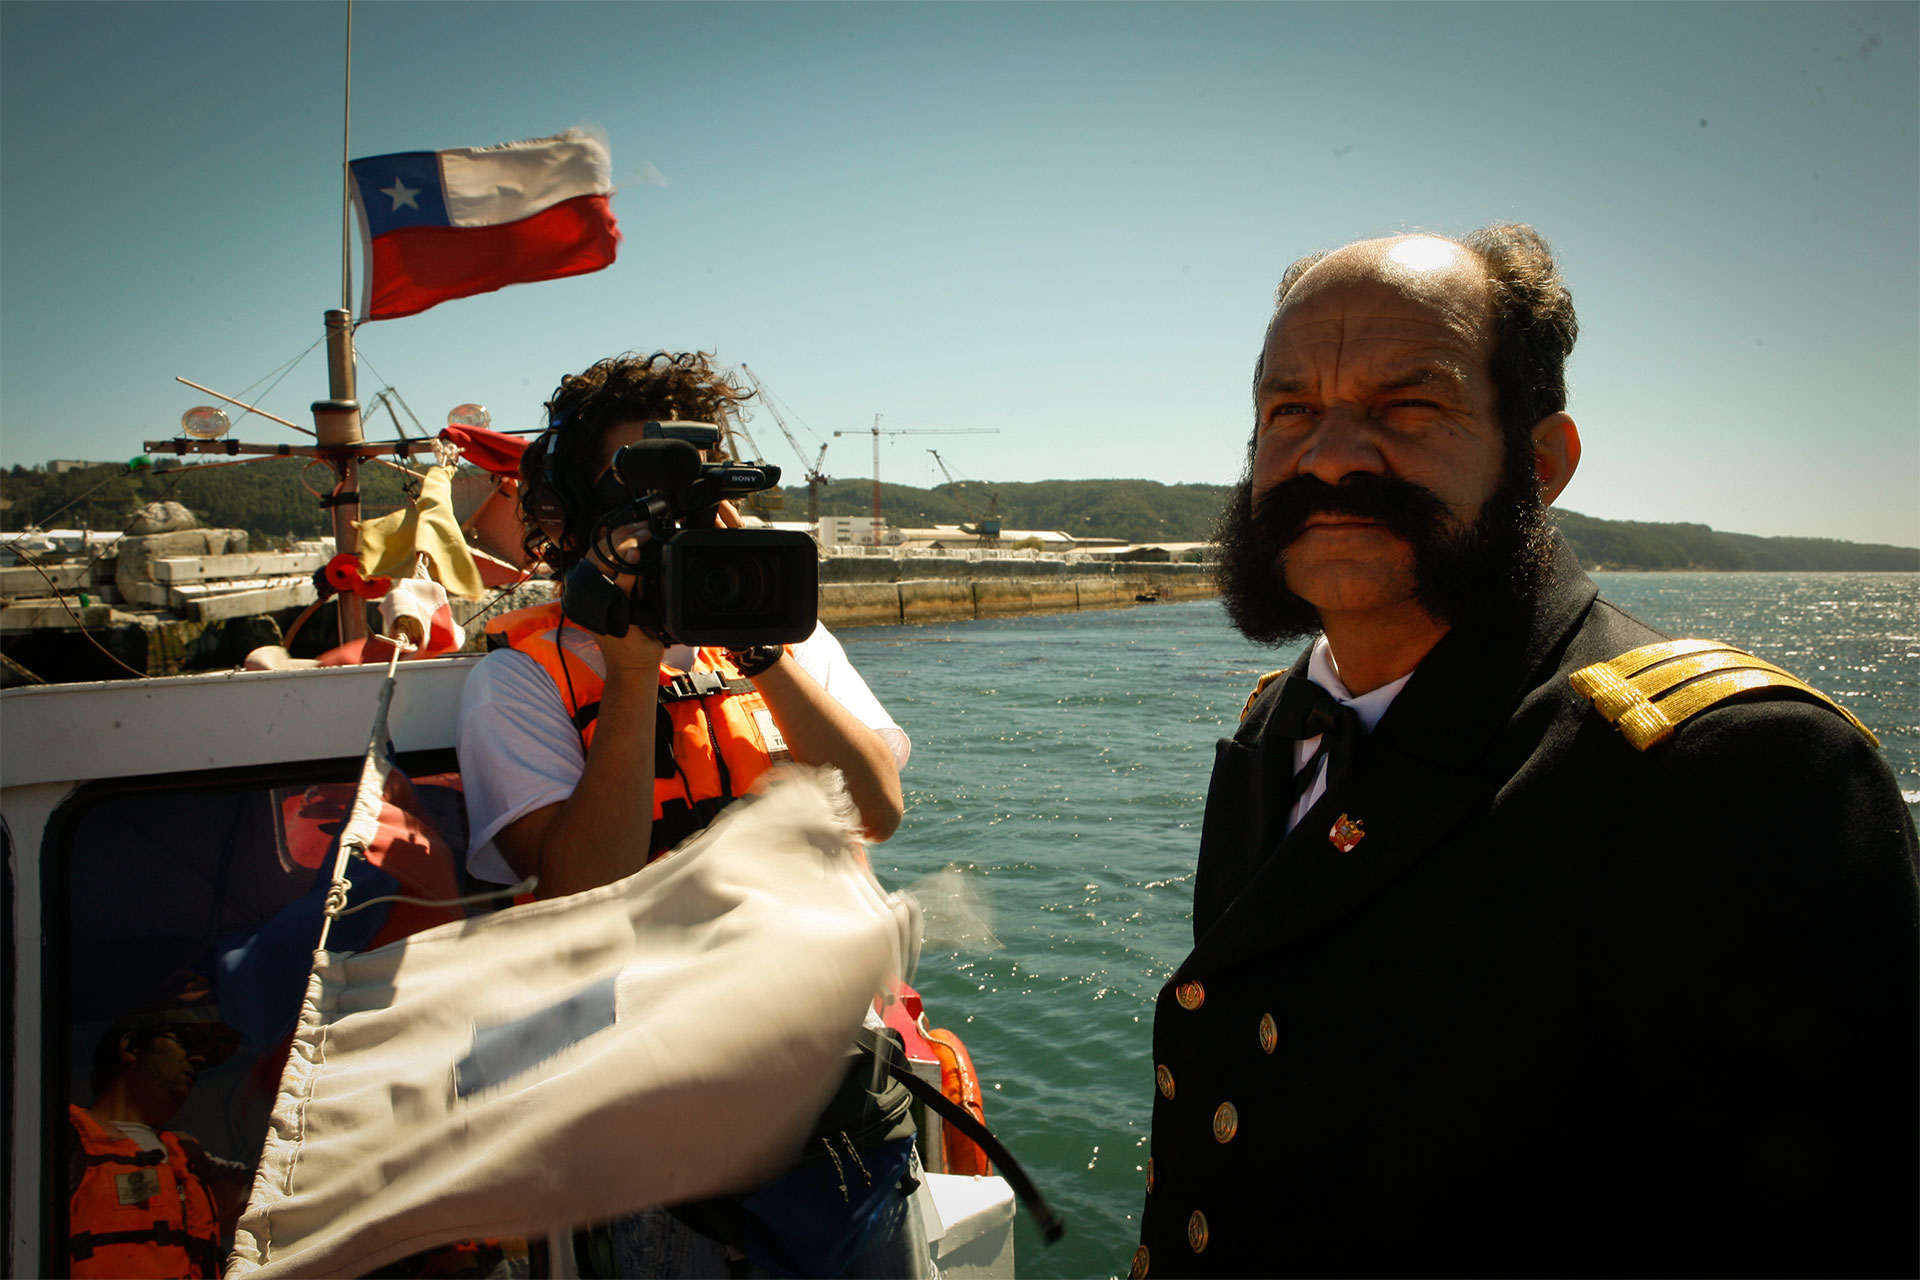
pixel 1259 689
pixel 1650 691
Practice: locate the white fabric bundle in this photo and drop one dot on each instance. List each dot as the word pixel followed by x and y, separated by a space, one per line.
pixel 664 1038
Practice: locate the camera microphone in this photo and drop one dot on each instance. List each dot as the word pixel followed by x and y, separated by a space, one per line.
pixel 646 465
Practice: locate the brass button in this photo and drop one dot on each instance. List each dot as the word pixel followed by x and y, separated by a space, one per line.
pixel 1149 1175
pixel 1139 1268
pixel 1269 1034
pixel 1164 1078
pixel 1197 1231
pixel 1226 1122
pixel 1191 995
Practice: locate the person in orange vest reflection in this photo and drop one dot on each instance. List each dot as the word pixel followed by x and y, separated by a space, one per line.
pixel 144 1200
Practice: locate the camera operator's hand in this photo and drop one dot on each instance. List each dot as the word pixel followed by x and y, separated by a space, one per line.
pixel 603 831
pixel 638 650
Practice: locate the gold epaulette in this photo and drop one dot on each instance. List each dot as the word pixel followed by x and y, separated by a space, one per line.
pixel 1259 689
pixel 1647 693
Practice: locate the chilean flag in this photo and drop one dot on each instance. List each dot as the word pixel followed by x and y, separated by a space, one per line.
pixel 450 224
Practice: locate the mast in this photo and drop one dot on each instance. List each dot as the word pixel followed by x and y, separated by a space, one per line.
pixel 336 419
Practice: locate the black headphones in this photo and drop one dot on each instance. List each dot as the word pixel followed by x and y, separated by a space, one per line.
pixel 559 495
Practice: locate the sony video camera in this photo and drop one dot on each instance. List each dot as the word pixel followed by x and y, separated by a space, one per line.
pixel 700 583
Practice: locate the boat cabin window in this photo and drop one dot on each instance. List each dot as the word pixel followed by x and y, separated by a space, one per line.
pixel 182 913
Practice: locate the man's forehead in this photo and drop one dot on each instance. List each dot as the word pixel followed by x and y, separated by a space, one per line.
pixel 1385 364
pixel 1407 300
pixel 1380 328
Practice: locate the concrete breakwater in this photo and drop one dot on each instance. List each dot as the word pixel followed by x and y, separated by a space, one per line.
pixel 869 591
pixel 195 600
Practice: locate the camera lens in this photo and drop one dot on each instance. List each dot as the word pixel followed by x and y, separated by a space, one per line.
pixel 732 587
pixel 739 587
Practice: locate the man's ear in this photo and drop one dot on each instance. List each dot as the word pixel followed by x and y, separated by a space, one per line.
pixel 126 1047
pixel 1556 454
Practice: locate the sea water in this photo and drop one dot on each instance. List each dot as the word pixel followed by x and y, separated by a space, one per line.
pixel 1054 799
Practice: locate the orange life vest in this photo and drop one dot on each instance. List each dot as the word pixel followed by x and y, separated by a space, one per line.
pixel 716 736
pixel 139 1213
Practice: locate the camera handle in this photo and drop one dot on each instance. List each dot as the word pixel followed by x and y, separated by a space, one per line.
pixel 592 600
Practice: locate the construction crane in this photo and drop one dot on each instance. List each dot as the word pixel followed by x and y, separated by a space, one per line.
pixel 906 431
pixel 815 476
pixel 767 501
pixel 986 528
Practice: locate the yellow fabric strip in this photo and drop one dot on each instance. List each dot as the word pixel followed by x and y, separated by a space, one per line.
pixel 425 526
pixel 1654 681
pixel 1634 661
pixel 1258 689
pixel 1650 691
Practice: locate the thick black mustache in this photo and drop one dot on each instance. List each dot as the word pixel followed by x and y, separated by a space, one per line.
pixel 1410 511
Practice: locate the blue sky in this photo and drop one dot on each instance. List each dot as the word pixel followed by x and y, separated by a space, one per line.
pixel 1063 222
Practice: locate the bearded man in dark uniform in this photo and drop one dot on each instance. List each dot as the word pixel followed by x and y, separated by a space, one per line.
pixel 1526 941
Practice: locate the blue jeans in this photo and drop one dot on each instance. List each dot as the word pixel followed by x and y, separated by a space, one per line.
pixel 654 1244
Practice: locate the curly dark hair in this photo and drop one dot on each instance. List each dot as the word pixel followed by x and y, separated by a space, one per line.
pixel 626 388
pixel 1534 327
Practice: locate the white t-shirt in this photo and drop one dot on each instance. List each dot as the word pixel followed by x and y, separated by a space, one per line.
pixel 519 750
pixel 1368 706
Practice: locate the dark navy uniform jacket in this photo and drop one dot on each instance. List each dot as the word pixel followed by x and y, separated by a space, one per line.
pixel 1565 1008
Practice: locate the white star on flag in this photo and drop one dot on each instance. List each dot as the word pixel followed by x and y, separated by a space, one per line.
pixel 402 194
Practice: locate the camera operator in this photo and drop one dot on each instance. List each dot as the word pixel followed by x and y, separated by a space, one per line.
pixel 553 797
pixel 584 755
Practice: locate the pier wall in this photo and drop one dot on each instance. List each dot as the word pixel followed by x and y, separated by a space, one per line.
pixel 870 591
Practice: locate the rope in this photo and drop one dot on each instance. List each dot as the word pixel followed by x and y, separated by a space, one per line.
pixel 363 824
pixel 510 891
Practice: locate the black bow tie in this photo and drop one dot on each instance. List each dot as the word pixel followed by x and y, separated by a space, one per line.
pixel 1305 710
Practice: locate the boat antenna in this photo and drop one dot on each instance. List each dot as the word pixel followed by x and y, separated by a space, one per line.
pixel 337 419
pixel 346 176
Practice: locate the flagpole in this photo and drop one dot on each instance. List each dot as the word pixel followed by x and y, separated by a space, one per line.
pixel 337 418
pixel 346 176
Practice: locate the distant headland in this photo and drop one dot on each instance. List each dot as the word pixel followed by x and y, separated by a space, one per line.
pixel 270 503
pixel 1633 545
pixel 1146 511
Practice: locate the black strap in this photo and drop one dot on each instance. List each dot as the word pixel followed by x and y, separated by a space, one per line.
pixel 154 1155
pixel 701 684
pixel 694 684
pixel 83 1243
pixel 1050 1224
pixel 678 820
pixel 664 765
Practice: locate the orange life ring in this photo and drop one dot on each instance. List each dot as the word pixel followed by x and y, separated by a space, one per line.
pixel 959 1083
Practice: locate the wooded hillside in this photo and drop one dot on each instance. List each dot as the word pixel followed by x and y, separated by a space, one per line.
pixel 268 500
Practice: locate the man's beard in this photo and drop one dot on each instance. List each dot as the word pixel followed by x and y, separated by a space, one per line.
pixel 1490 571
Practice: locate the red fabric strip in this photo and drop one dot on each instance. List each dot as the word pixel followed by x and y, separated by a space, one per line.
pixel 418 267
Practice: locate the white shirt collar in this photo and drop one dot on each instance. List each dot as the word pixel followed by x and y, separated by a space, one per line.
pixel 1368 706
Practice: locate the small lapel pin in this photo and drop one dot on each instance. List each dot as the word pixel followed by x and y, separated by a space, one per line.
pixel 1346 833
